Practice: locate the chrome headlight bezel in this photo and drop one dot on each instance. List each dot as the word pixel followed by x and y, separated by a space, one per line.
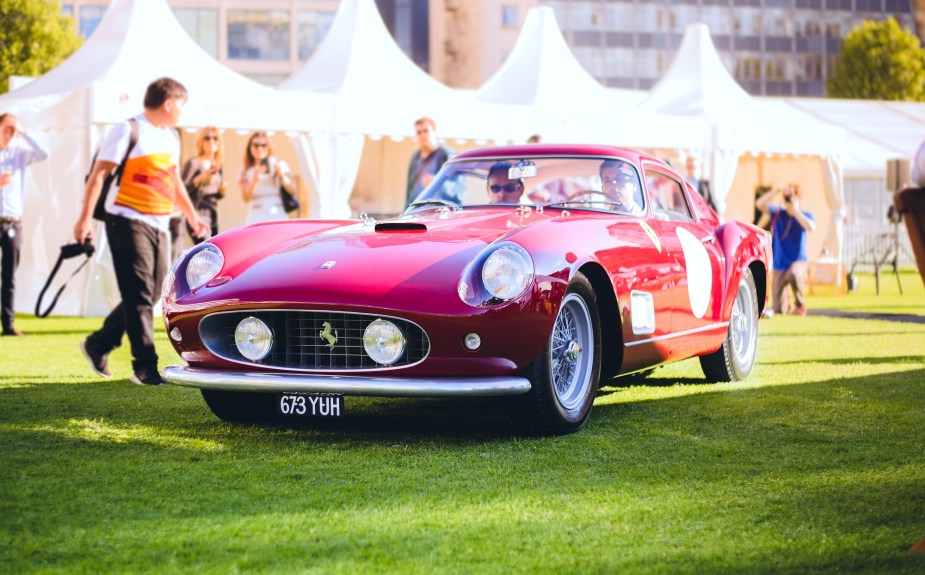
pixel 384 342
pixel 507 272
pixel 202 265
pixel 253 338
pixel 498 274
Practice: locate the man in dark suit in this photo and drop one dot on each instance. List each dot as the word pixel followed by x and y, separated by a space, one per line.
pixel 702 186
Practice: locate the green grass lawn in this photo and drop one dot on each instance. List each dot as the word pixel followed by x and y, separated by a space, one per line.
pixel 815 465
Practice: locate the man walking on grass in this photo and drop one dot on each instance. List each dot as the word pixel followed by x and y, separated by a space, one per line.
pixel 138 208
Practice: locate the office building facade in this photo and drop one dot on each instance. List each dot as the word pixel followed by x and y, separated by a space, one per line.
pixel 772 47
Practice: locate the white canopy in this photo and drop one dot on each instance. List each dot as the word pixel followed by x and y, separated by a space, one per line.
pixel 876 131
pixel 136 42
pixel 697 85
pixel 550 93
pixel 378 92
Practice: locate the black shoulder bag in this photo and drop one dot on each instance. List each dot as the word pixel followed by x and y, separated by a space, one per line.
pixel 99 210
pixel 67 252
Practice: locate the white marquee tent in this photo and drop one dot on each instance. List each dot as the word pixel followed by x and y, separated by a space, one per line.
pixel 378 93
pixel 68 108
pixel 752 142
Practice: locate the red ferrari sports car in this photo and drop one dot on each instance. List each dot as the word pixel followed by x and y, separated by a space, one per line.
pixel 534 272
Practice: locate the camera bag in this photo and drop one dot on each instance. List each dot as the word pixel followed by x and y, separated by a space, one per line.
pixel 68 251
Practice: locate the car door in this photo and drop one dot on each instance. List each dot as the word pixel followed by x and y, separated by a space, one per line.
pixel 696 264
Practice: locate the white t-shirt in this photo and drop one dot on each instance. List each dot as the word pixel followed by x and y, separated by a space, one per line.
pixel 147 187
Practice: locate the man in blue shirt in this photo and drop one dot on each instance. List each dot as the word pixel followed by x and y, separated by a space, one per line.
pixel 789 228
pixel 14 159
pixel 426 160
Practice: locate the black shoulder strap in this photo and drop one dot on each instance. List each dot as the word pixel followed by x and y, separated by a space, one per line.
pixel 38 304
pixel 132 140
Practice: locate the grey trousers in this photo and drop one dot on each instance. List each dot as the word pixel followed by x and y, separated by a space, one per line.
pixel 794 277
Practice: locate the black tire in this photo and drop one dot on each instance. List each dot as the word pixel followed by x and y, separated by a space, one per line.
pixel 735 359
pixel 240 406
pixel 565 375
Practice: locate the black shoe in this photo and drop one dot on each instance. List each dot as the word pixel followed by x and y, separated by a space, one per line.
pixel 145 376
pixel 99 363
pixel 11 331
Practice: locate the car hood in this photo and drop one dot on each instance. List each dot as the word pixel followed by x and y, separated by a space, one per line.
pixel 411 262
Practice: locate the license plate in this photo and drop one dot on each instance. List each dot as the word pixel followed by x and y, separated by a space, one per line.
pixel 310 405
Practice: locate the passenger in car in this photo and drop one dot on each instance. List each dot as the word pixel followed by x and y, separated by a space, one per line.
pixel 502 189
pixel 620 184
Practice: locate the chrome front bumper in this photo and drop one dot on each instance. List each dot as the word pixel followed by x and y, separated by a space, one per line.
pixel 347 384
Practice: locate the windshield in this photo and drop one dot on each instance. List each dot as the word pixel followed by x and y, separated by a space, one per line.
pixel 594 183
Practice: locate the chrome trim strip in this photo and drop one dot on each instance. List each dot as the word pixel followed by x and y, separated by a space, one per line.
pixel 347 384
pixel 711 327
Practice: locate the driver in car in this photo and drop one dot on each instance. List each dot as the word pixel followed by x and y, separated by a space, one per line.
pixel 502 189
pixel 620 185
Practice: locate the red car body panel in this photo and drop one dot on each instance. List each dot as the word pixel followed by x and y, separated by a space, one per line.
pixel 411 269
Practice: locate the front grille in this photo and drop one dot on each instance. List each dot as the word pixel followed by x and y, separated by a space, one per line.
pixel 298 343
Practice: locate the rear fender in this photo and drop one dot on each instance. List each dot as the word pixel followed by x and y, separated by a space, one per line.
pixel 744 245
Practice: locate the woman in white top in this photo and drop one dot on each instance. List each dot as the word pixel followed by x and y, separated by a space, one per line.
pixel 261 178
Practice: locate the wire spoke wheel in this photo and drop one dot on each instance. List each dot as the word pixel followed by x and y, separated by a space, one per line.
pixel 570 358
pixel 735 359
pixel 744 327
pixel 564 375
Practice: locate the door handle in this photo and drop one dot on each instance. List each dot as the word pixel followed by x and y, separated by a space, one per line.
pixel 708 239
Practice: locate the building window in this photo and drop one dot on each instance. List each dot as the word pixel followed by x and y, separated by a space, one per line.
pixel 90 17
pixel 312 27
pixel 509 16
pixel 258 35
pixel 202 26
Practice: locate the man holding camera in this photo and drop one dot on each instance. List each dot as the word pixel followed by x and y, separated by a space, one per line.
pixel 789 228
pixel 137 217
pixel 14 159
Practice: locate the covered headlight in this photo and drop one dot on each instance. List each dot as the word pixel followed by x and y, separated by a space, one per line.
pixel 203 266
pixel 253 338
pixel 383 342
pixel 507 272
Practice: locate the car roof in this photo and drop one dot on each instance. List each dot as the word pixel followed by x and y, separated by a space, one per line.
pixel 577 150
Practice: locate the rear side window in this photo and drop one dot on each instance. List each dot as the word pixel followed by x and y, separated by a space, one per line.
pixel 667 197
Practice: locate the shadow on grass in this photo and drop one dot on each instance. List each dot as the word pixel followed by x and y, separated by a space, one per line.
pixel 122 404
pixel 851 360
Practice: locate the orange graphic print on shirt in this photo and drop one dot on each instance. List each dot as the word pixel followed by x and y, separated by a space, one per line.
pixel 147 185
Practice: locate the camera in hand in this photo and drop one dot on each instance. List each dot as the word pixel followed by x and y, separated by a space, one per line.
pixel 73 250
pixel 265 162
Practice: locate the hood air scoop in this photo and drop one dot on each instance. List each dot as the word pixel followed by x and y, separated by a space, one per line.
pixel 387 227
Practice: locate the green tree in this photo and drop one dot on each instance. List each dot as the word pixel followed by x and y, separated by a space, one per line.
pixel 880 61
pixel 34 38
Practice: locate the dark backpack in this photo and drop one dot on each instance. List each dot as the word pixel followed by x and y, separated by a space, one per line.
pixel 99 211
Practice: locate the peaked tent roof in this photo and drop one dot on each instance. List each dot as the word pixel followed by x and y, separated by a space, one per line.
pixel 698 86
pixel 378 90
pixel 138 41
pixel 541 70
pixel 548 91
pixel 697 83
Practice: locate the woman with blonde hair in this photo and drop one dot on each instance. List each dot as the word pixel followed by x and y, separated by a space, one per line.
pixel 202 176
pixel 261 178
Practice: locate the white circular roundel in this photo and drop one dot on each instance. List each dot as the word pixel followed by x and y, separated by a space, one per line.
pixel 699 272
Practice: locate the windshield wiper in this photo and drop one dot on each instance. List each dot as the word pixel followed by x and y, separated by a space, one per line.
pixel 435 202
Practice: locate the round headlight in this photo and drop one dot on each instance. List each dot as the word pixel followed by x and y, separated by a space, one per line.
pixel 203 266
pixel 383 341
pixel 507 272
pixel 253 338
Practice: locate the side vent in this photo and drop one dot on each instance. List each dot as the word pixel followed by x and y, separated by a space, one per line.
pixel 391 227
